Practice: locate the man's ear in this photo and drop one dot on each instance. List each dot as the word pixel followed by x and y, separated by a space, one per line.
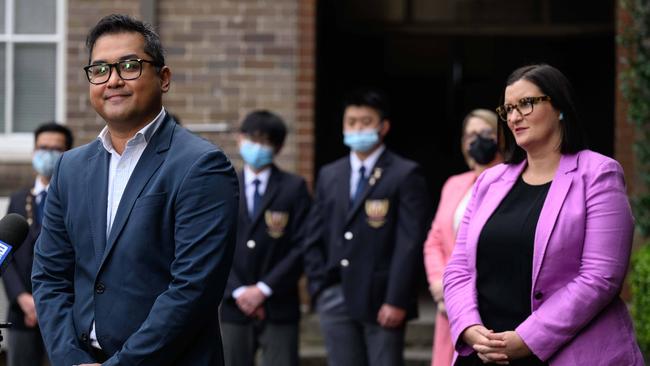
pixel 385 127
pixel 165 78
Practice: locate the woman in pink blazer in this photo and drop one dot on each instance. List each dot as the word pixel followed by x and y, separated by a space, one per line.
pixel 479 147
pixel 545 242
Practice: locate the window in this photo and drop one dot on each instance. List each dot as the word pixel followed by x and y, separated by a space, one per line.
pixel 32 83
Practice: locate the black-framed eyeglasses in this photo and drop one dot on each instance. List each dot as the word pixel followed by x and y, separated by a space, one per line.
pixel 524 106
pixel 126 69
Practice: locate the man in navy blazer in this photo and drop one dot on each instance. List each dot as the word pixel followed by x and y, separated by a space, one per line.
pixel 139 226
pixel 364 241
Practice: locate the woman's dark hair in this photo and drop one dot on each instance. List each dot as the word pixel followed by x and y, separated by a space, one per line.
pixel 266 125
pixel 58 128
pixel 120 23
pixel 554 84
pixel 366 97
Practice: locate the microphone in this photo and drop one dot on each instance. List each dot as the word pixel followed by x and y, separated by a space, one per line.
pixel 13 231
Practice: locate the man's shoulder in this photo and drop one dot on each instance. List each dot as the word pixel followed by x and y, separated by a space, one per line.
pixel 289 178
pixel 20 194
pixel 188 145
pixel 80 154
pixel 335 167
pixel 400 161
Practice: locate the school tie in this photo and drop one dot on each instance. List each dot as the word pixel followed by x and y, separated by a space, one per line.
pixel 257 198
pixel 41 207
pixel 361 185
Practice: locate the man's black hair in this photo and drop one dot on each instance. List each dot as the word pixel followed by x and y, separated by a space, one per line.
pixel 58 128
pixel 265 125
pixel 120 23
pixel 368 97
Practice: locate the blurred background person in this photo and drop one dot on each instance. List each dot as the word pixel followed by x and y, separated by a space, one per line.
pixel 364 246
pixel 25 344
pixel 261 306
pixel 479 147
pixel 545 243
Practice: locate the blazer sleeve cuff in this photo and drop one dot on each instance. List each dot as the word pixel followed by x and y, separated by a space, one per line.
pixel 461 347
pixel 77 356
pixel 534 334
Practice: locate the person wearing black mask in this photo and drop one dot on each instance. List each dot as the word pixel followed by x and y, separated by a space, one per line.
pixel 479 147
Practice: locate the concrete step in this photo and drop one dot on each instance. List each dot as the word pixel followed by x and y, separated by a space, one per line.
pixel 316 356
pixel 418 339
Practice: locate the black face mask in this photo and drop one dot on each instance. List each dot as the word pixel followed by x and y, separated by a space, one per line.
pixel 483 150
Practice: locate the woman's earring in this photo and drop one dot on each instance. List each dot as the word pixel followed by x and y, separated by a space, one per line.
pixel 561 116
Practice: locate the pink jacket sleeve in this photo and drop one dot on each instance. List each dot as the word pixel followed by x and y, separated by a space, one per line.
pixel 459 283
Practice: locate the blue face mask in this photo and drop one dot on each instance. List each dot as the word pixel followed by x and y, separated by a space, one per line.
pixel 44 161
pixel 256 155
pixel 361 141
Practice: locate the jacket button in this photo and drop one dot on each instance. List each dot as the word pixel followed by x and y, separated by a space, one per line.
pixel 250 244
pixel 84 337
pixel 99 288
pixel 538 295
pixel 345 262
pixel 348 235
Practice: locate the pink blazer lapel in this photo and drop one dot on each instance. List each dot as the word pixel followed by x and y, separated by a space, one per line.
pixel 488 204
pixel 550 211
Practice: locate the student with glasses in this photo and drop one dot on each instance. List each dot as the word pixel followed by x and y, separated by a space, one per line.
pixel 544 246
pixel 139 225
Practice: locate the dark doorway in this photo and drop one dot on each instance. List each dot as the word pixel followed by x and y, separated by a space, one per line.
pixel 435 69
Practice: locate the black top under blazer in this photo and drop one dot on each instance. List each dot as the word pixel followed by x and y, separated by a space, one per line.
pixel 269 248
pixel 374 248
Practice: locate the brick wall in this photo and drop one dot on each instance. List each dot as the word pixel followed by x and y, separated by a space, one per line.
pixel 227 58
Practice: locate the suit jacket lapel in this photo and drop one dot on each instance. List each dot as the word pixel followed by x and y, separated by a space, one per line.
pixel 270 192
pixel 493 197
pixel 552 204
pixel 342 189
pixel 375 176
pixel 151 159
pixel 97 193
pixel 243 200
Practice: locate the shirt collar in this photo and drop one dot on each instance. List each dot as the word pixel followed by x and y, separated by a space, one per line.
pixel 144 135
pixel 369 163
pixel 250 176
pixel 39 186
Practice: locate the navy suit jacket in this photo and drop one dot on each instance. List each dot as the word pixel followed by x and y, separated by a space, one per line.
pixel 374 247
pixel 17 278
pixel 269 248
pixel 152 286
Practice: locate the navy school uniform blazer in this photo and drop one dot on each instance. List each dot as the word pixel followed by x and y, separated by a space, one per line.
pixel 18 275
pixel 373 248
pixel 269 248
pixel 152 286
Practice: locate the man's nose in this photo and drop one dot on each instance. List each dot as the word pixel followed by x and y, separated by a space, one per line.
pixel 114 80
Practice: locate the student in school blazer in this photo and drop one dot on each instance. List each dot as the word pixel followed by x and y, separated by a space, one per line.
pixel 269 248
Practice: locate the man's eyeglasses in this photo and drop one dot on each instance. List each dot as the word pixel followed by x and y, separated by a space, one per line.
pixel 126 69
pixel 524 106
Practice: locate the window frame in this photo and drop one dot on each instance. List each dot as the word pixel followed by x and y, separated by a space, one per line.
pixel 18 146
